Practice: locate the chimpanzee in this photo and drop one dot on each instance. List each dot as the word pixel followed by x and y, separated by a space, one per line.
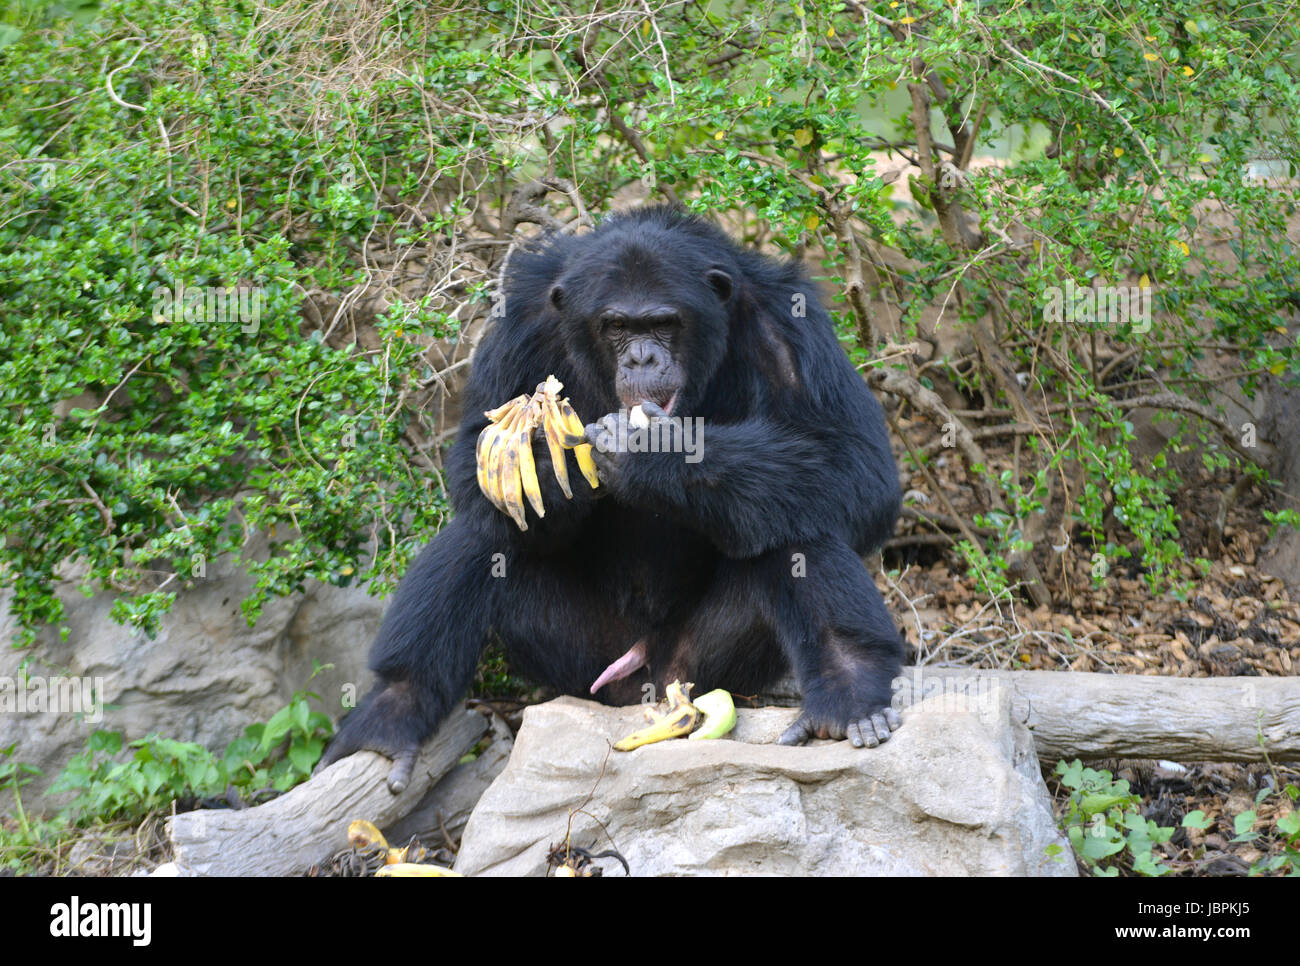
pixel 725 564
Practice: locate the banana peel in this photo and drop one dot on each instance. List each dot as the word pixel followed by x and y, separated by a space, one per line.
pixel 719 714
pixel 679 718
pixel 365 836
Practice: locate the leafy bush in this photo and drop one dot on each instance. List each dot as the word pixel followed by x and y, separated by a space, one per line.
pixel 266 149
pixel 1104 823
pixel 276 755
pixel 1285 830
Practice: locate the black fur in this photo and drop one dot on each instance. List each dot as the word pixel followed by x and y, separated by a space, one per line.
pixel 699 560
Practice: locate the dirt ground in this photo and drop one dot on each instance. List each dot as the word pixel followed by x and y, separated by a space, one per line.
pixel 1236 620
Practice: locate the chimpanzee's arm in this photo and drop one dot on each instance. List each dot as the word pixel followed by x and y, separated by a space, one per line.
pixel 758 484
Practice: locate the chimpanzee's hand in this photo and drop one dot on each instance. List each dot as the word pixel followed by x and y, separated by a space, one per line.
pixel 616 457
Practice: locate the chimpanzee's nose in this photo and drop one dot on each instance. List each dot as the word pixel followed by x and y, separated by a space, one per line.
pixel 645 355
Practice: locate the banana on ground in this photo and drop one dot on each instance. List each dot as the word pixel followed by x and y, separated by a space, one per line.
pixel 406 870
pixel 365 837
pixel 507 471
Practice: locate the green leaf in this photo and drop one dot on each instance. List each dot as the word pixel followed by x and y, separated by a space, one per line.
pixel 1289 824
pixel 1096 803
pixel 1244 822
pixel 1196 819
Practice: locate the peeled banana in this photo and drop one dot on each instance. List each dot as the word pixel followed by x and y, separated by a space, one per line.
pixel 507 472
pixel 678 719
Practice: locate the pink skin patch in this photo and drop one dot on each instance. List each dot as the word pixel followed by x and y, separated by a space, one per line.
pixel 633 660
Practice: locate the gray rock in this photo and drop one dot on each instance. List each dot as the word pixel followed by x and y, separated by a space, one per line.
pixel 203 678
pixel 957 791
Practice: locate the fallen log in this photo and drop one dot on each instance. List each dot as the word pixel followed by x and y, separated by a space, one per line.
pixel 309 823
pixel 1090 716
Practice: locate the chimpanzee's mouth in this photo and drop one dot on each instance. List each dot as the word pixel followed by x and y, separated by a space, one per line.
pixel 666 402
pixel 665 399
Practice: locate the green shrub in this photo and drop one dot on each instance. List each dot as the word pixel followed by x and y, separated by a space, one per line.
pixel 266 145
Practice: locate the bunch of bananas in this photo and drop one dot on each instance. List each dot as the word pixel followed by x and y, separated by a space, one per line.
pixel 506 470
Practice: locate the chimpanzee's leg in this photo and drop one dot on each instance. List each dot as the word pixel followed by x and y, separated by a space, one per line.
pixel 843 646
pixel 427 650
pixel 560 624
pixel 813 608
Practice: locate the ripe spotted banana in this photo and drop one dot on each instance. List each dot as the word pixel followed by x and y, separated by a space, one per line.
pixel 553 426
pixel 507 470
pixel 575 432
pixel 365 837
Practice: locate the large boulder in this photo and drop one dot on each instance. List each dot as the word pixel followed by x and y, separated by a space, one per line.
pixel 957 791
pixel 203 677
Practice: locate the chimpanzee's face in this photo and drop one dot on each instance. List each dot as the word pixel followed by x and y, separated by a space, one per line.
pixel 654 324
pixel 646 343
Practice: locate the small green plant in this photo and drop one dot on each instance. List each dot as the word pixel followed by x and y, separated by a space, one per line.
pixel 276 755
pixel 24 835
pixel 256 760
pixel 1285 830
pixel 159 771
pixel 1281 518
pixel 1104 823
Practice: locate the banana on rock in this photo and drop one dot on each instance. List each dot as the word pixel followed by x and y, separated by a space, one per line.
pixel 718 714
pixel 678 719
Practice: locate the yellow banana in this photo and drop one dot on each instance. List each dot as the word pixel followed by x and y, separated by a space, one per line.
pixel 527 465
pixel 480 457
pixel 495 458
pixel 553 427
pixel 483 450
pixel 490 483
pixel 364 835
pixel 497 414
pixel 512 494
pixel 678 720
pixel 581 451
pixel 587 464
pixel 505 465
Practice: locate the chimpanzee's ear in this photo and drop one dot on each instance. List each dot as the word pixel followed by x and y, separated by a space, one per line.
pixel 720 282
pixel 557 296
